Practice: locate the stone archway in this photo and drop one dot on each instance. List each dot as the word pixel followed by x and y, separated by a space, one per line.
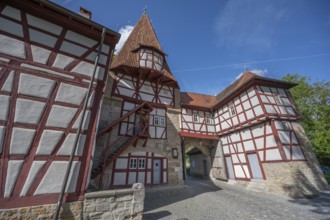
pixel 212 151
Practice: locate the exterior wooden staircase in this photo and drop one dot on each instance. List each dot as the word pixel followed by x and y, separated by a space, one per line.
pixel 114 148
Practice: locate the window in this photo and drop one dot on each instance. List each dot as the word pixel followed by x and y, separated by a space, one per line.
pixel 132 163
pixel 232 110
pixel 142 163
pixel 162 121
pixel 151 59
pixel 156 120
pixel 195 117
pixel 208 119
pixel 286 126
pixel 278 99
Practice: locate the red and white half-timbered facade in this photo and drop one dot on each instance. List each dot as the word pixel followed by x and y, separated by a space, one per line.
pixel 46 64
pixel 253 118
pixel 47 58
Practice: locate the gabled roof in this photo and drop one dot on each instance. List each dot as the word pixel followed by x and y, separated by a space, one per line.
pixel 207 101
pixel 143 35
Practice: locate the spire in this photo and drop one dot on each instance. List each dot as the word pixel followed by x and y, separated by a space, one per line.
pixel 143 35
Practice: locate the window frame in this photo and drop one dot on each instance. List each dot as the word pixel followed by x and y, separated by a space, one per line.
pixel 153 56
pixel 132 163
pixel 278 99
pixel 232 110
pixel 195 119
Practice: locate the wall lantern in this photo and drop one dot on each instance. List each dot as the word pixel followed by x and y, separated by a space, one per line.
pixel 175 153
pixel 200 142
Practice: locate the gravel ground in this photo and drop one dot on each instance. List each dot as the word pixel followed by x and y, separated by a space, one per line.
pixel 206 200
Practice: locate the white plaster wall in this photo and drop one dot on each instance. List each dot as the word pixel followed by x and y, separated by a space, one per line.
pixel 62 61
pixel 43 24
pixel 35 168
pixel 21 140
pixel 273 154
pixel 42 38
pixel 48 141
pixel 28 111
pixel 2 137
pixel 40 55
pixel 11 27
pixel 71 94
pixel 4 103
pixel 8 85
pixel 53 179
pixel 12 47
pixel 12 12
pixel 35 86
pixel 60 116
pixel 14 167
pixel 73 36
pixel 121 163
pixel 67 145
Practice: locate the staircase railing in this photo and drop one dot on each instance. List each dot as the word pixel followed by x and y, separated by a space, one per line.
pixel 140 130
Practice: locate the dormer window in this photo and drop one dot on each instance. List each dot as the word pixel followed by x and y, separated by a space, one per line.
pixel 151 59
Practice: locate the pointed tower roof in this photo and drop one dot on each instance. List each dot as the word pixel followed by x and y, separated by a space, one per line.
pixel 143 35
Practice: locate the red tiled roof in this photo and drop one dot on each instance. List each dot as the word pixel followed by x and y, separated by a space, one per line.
pixel 200 100
pixel 235 85
pixel 194 99
pixel 143 35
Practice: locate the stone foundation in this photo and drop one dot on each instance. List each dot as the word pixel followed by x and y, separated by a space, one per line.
pixel 115 204
pixel 111 204
pixel 294 179
pixel 70 211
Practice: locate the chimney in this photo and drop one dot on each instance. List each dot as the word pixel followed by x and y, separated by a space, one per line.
pixel 85 13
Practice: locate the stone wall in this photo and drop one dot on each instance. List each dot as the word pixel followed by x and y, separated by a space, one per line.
pixel 111 204
pixel 293 179
pixel 72 211
pixel 115 204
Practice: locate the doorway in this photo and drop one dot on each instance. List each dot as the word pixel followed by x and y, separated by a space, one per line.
pixel 255 166
pixel 156 171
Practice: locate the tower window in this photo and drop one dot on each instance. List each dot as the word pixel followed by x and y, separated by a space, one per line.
pixel 278 99
pixel 151 59
pixel 232 110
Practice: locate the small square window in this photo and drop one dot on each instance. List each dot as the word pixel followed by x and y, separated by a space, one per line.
pixel 132 163
pixel 156 120
pixel 142 163
pixel 195 117
pixel 278 99
pixel 208 120
pixel 162 121
pixel 232 110
pixel 286 126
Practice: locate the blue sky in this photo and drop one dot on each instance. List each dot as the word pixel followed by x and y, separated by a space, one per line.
pixel 210 43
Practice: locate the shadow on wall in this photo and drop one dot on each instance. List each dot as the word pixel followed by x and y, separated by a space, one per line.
pixel 305 192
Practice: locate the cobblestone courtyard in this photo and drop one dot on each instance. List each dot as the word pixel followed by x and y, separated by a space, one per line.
pixel 206 200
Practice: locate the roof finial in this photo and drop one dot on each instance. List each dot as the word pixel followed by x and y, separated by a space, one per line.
pixel 145 9
pixel 246 69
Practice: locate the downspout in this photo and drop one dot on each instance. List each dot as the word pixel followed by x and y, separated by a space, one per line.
pixel 66 177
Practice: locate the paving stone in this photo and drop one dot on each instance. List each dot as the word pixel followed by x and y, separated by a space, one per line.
pixel 204 199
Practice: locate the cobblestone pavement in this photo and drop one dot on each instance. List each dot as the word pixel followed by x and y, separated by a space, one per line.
pixel 207 200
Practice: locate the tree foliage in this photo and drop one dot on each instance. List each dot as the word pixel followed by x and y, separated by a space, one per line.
pixel 313 103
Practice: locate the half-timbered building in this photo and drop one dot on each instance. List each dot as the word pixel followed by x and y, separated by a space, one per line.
pixel 47 58
pixel 137 123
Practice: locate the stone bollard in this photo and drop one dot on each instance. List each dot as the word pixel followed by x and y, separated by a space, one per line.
pixel 137 201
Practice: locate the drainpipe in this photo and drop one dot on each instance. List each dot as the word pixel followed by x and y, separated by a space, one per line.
pixel 66 177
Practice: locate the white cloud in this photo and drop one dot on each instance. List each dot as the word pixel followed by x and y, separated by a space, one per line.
pixel 260 72
pixel 125 32
pixel 249 23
